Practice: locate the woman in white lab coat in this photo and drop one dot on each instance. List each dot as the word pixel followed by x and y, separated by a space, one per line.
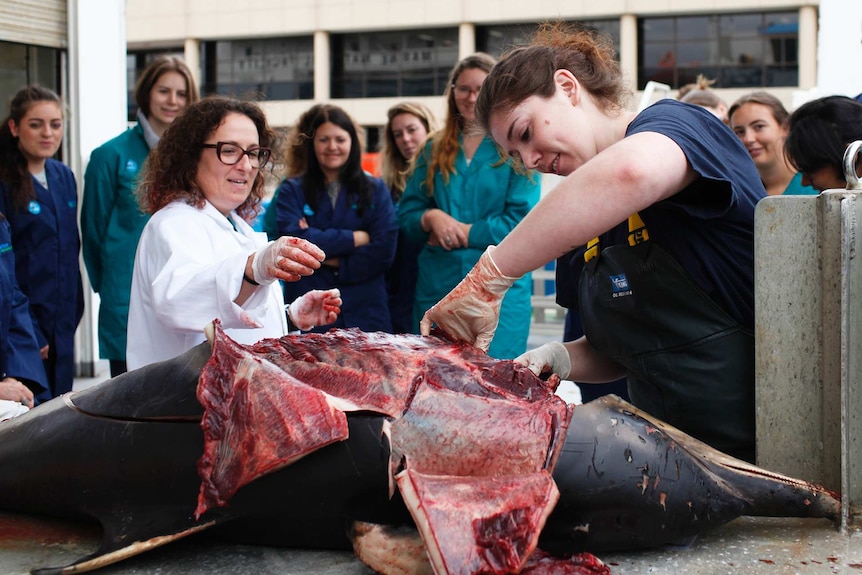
pixel 198 258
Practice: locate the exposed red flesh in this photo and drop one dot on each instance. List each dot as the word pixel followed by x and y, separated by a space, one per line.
pixel 541 563
pixel 290 420
pixel 449 433
pixel 486 525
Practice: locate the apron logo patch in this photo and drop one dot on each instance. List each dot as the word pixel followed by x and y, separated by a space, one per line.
pixel 620 286
pixel 131 166
pixel 34 208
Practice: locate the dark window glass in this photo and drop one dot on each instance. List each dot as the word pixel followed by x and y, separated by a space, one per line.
pixel 736 50
pixel 496 39
pixel 387 64
pixel 23 64
pixel 259 69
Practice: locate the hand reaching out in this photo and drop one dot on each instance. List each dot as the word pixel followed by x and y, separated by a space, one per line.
pixel 317 307
pixel 287 259
pixel 550 357
pixel 471 311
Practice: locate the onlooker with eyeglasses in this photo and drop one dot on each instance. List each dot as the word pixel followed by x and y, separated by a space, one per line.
pixel 462 197
pixel 328 199
pixel 198 258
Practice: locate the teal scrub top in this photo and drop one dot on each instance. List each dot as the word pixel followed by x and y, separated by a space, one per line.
pixel 111 224
pixel 795 187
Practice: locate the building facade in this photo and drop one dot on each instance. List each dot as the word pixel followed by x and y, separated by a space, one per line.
pixel 366 55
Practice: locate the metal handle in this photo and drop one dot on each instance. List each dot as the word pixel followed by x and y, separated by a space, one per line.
pixel 850 154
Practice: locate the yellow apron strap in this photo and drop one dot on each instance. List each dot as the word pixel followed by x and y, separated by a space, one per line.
pixel 637 230
pixel 637 234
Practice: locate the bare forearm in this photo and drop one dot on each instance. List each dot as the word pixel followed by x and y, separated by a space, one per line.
pixel 615 184
pixel 590 365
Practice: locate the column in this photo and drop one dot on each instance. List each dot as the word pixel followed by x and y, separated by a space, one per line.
pixel 466 39
pixel 629 50
pixel 97 102
pixel 192 56
pixel 322 71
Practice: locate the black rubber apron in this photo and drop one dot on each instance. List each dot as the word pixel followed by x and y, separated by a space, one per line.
pixel 688 361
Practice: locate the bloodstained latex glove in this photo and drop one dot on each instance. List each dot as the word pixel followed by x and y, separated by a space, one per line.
pixel 317 307
pixel 550 357
pixel 287 259
pixel 471 311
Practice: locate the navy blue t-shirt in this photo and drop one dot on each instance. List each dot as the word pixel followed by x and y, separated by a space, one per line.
pixel 708 227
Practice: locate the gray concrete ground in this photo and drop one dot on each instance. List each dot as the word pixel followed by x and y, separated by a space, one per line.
pixel 755 546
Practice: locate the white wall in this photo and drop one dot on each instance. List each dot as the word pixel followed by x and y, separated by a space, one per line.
pixel 839 51
pixel 97 102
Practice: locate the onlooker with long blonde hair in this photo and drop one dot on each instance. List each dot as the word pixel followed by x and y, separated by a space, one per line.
pixel 408 126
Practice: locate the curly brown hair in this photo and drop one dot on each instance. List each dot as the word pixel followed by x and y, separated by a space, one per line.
pixel 170 171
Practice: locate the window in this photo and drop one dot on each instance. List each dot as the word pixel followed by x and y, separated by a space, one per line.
pixel 259 69
pixel 495 40
pixel 387 64
pixel 23 64
pixel 736 50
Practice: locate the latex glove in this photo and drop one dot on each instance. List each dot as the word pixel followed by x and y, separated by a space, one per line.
pixel 287 259
pixel 553 357
pixel 317 307
pixel 471 311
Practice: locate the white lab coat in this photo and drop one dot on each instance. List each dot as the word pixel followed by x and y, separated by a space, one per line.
pixel 188 270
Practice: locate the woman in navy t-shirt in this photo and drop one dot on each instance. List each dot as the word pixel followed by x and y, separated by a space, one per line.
pixel 663 203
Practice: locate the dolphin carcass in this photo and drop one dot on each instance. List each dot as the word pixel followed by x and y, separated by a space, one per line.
pixel 375 442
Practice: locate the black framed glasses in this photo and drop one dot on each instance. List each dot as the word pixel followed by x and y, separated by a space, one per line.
pixel 230 154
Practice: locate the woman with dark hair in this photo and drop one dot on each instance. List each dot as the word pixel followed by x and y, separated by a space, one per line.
pixel 39 198
pixel 819 132
pixel 329 200
pixel 662 202
pixel 407 127
pixel 198 258
pixel 462 197
pixel 111 222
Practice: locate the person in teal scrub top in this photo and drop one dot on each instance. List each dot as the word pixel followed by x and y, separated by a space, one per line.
pixel 111 223
pixel 462 197
pixel 759 120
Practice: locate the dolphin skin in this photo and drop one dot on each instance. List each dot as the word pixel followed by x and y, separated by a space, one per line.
pixel 125 454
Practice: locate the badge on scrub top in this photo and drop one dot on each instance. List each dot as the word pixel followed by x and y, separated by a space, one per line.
pixel 131 166
pixel 306 209
pixel 33 207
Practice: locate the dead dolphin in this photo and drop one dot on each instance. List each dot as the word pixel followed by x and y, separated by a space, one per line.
pixel 125 454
